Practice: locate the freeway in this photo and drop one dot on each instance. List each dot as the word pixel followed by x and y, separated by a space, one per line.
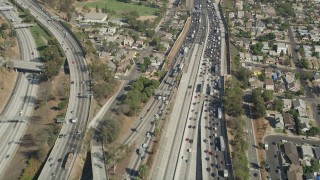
pixel 20 106
pixel 79 99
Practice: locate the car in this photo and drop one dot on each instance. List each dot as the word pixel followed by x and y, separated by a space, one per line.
pixel 60 159
pixel 148 110
pixel 72 82
pixel 187 139
pixel 189 150
pixel 60 135
pixel 190 141
pixel 50 159
pixel 52 164
pixel 53 174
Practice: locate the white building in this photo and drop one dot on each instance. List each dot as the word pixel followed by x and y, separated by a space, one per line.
pixel 282 47
pixel 307 152
pixel 95 17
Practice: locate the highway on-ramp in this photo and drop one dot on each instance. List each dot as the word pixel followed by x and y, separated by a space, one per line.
pixel 79 99
pixel 19 109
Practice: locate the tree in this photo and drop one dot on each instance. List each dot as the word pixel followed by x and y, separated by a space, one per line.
pixel 313 131
pixel 143 170
pixel 267 95
pixel 243 75
pixel 304 63
pixel 262 76
pixel 97 8
pixel 233 101
pixel 259 107
pixel 4 26
pixel 278 105
pixel 315 167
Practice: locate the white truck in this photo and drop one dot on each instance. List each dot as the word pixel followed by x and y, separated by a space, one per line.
pixel 73 120
pixel 225 173
pixel 219 113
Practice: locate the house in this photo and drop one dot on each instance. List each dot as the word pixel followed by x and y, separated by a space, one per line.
pixel 295 172
pixel 269 84
pixel 256 84
pixel 292 87
pixel 256 71
pixel 281 88
pixel 304 122
pixel 260 26
pixel 291 152
pixel 268 72
pixel 282 47
pixel 289 78
pixel 265 48
pixel 307 152
pixel 103 31
pixel 278 121
pixel 298 103
pixel 257 58
pixel 128 41
pixel 287 104
pixel 240 14
pixel 288 121
pixel 112 30
pixel 316 151
pixel 270 60
pixel 85 27
pixel 117 21
pixel 316 77
pixel 95 17
pixel 317 49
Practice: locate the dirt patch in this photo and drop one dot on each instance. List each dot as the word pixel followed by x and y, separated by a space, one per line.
pixel 117 171
pixel 175 49
pixel 229 132
pixel 260 127
pixel 44 114
pixel 144 18
pixel 7 83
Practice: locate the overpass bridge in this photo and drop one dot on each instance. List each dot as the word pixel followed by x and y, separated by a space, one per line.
pixel 23 65
pixel 98 161
pixel 17 26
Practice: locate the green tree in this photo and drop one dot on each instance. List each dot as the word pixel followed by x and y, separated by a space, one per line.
pixel 143 170
pixel 259 107
pixel 315 167
pixel 233 101
pixel 267 95
pixel 313 131
pixel 304 63
pixel 278 105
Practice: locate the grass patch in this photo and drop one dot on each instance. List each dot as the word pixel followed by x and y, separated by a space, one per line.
pixel 31 170
pixel 40 37
pixel 228 5
pixel 120 7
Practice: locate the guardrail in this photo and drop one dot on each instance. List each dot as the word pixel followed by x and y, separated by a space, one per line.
pixel 227 39
pixel 62 23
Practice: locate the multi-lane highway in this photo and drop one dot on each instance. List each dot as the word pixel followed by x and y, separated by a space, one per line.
pixel 76 117
pixel 15 116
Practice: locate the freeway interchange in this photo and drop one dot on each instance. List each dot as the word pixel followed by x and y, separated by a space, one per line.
pixel 191 147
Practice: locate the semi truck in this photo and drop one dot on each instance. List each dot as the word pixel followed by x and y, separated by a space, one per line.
pixel 222 144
